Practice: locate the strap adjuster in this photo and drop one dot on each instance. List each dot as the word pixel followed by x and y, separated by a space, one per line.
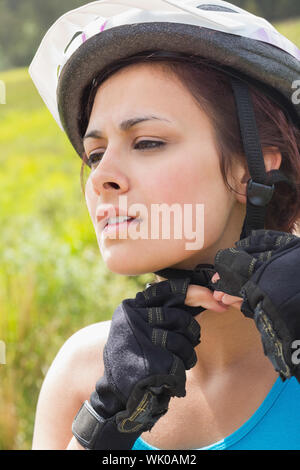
pixel 259 194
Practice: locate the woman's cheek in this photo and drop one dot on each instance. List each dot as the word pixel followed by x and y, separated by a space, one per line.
pixel 91 200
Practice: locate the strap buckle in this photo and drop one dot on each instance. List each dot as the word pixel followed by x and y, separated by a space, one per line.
pixel 202 274
pixel 259 194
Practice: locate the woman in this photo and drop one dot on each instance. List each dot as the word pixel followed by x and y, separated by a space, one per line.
pixel 188 104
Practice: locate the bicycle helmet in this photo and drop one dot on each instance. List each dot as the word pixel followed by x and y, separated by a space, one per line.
pixel 100 35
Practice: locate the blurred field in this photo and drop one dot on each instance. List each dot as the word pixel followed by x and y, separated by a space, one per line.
pixel 52 278
pixel 290 29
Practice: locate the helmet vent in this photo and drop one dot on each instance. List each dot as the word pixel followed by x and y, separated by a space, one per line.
pixel 215 8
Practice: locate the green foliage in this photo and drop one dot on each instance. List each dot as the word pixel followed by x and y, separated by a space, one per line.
pixel 24 23
pixel 290 29
pixel 272 11
pixel 52 278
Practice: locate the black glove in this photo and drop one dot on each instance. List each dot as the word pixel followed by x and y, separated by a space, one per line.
pixel 150 345
pixel 264 269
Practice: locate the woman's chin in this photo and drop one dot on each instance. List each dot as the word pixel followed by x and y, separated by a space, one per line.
pixel 126 270
pixel 135 259
pixel 129 265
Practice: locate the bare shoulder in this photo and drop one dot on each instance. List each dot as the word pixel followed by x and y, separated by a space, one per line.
pixel 69 381
pixel 81 357
pixel 86 345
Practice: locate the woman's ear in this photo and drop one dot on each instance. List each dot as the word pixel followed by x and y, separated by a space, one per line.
pixel 272 159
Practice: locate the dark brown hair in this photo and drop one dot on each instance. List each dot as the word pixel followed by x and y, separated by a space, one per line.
pixel 212 90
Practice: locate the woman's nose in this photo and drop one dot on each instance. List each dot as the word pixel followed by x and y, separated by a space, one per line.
pixel 107 177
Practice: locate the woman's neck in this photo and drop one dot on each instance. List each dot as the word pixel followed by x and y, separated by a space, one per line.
pixel 228 340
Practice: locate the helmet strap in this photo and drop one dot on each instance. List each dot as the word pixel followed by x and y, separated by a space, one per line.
pixel 260 186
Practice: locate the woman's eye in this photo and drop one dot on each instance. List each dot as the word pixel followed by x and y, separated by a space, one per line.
pixel 95 158
pixel 149 144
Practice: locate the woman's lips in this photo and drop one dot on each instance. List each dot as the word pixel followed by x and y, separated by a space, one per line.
pixel 120 225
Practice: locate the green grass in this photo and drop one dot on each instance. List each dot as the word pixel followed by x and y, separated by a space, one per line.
pixel 290 29
pixel 52 278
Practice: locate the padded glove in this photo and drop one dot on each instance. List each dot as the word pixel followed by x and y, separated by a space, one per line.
pixel 150 346
pixel 264 269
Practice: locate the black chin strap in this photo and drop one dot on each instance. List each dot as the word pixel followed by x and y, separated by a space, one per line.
pixel 260 187
pixel 200 275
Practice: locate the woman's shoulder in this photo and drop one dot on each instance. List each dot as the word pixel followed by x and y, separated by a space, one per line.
pixel 86 339
pixel 70 380
pixel 82 354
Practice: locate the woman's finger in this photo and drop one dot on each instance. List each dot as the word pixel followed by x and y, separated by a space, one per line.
pixel 231 299
pixel 215 277
pixel 226 299
pixel 230 302
pixel 198 296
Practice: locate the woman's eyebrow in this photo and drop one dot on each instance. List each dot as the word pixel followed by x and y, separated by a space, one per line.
pixel 125 125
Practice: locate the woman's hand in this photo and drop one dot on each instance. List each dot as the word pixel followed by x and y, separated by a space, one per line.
pixel 150 346
pixel 229 300
pixel 264 269
pixel 198 296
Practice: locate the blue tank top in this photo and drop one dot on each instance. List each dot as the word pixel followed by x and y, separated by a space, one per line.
pixel 274 426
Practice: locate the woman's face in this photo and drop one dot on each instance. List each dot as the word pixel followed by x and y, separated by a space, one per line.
pixel 163 158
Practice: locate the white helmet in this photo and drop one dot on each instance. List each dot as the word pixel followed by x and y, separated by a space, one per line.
pixel 101 35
